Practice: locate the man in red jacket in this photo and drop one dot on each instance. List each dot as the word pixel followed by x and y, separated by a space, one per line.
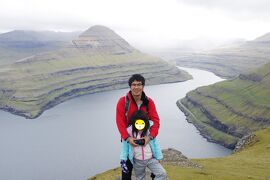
pixel 127 105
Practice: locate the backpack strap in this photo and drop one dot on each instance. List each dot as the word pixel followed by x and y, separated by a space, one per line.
pixel 127 105
pixel 146 107
pixel 146 103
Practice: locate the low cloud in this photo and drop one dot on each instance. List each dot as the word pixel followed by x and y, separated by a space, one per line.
pixel 254 8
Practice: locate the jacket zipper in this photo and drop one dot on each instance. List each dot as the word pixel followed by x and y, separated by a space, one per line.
pixel 140 134
pixel 142 153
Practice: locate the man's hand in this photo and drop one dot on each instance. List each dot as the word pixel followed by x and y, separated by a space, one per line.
pixel 131 141
pixel 147 139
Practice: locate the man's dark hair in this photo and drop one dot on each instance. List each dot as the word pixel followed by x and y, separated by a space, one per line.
pixel 136 77
pixel 139 114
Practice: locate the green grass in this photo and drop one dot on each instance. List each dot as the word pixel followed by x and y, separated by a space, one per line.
pixel 251 163
pixel 242 104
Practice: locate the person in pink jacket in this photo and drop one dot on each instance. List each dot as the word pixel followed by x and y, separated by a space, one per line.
pixel 143 155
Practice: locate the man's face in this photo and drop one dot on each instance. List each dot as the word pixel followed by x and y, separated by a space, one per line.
pixel 136 88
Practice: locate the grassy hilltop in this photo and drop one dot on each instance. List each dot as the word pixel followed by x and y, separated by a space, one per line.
pixel 98 60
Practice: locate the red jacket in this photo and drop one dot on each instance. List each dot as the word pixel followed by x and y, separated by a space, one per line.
pixel 122 122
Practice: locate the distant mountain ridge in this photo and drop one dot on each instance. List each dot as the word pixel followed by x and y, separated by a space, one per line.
pixel 264 38
pixel 19 44
pixel 98 60
pixel 229 62
pixel 24 35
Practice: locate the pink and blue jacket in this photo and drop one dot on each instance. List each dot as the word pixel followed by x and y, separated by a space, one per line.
pixel 127 150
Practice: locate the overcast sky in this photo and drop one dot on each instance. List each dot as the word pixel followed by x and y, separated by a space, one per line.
pixel 145 22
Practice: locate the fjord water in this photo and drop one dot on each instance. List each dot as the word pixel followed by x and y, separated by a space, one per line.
pixel 79 138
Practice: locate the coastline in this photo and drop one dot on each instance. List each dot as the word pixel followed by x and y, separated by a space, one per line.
pixel 73 93
pixel 191 118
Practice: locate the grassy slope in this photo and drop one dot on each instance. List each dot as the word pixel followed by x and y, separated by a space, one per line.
pixel 241 105
pixel 250 163
pixel 250 97
pixel 33 85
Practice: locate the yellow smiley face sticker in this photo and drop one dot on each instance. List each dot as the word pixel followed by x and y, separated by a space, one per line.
pixel 139 124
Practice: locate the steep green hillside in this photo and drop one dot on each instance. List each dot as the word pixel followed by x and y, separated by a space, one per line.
pixel 229 62
pixel 226 111
pixel 99 60
pixel 251 163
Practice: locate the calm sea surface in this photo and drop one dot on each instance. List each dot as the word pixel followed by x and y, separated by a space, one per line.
pixel 79 138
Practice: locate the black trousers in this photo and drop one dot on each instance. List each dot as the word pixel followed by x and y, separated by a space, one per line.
pixel 127 176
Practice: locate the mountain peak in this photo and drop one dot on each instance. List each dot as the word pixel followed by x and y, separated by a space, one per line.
pixel 102 39
pixel 99 28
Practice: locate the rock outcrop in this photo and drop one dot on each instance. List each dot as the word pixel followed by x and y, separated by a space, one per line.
pixel 245 141
pixel 174 157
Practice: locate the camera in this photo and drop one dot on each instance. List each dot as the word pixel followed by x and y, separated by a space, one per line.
pixel 140 142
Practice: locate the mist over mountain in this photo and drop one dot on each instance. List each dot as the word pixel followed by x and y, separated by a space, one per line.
pixel 19 44
pixel 24 35
pixel 171 52
pixel 229 61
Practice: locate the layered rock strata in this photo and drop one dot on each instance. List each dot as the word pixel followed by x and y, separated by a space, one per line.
pixel 227 111
pixel 99 60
